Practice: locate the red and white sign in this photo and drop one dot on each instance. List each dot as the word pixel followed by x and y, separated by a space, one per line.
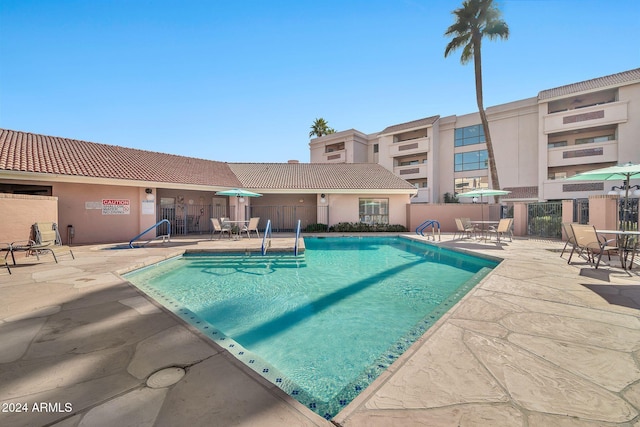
pixel 116 207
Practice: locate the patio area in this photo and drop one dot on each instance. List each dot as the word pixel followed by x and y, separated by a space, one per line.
pixel 538 342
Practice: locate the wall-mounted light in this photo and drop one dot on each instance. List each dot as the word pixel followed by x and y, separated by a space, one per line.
pixel 148 190
pixel 241 199
pixel 150 195
pixel 323 198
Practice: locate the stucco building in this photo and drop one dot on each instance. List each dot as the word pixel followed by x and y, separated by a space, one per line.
pixel 538 142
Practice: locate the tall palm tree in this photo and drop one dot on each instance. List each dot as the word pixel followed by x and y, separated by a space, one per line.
pixel 475 20
pixel 320 127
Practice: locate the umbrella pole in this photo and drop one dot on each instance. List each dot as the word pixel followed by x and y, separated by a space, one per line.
pixel 625 214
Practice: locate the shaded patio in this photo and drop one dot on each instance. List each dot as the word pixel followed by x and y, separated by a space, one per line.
pixel 537 341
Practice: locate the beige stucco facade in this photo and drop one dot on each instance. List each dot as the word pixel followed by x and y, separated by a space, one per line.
pixel 538 142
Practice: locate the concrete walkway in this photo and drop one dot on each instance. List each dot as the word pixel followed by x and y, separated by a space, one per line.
pixel 537 343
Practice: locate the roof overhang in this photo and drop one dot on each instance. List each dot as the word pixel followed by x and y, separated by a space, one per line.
pixel 75 179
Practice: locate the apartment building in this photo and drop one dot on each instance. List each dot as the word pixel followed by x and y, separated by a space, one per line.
pixel 538 143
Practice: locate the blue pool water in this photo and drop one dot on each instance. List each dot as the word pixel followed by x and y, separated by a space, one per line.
pixel 324 325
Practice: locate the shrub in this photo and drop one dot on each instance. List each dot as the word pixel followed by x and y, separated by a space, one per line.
pixel 360 227
pixel 316 228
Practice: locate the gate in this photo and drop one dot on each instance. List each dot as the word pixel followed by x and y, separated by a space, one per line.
pixel 188 219
pixel 581 211
pixel 628 215
pixel 544 219
pixel 284 218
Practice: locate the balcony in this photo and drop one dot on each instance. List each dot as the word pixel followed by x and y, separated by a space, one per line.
pixel 411 146
pixel 582 154
pixel 411 171
pixel 338 156
pixel 581 118
pixel 562 189
pixel 422 196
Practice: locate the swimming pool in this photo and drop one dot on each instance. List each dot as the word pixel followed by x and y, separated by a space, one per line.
pixel 324 325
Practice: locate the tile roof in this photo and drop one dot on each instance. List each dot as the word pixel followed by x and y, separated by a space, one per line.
pixel 618 79
pixel 521 193
pixel 28 152
pixel 428 121
pixel 318 176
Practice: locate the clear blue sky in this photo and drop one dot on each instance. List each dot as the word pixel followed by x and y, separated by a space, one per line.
pixel 242 81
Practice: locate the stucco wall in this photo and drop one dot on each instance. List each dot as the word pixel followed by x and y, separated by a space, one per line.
pixel 80 205
pixel 20 212
pixel 345 207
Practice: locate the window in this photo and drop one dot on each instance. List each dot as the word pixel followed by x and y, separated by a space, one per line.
pixel 462 185
pixel 471 161
pixel 557 144
pixel 469 135
pixel 410 162
pixel 374 211
pixel 375 148
pixel 603 138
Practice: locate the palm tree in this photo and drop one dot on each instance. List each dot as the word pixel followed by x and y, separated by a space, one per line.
pixel 475 20
pixel 320 127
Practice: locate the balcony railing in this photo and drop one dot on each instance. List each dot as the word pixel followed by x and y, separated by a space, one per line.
pixel 412 146
pixel 335 156
pixel 597 152
pixel 411 171
pixel 581 118
pixel 422 196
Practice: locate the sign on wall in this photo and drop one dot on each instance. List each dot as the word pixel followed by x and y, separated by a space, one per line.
pixel 116 207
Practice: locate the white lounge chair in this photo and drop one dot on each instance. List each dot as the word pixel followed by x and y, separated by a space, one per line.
pixel 217 228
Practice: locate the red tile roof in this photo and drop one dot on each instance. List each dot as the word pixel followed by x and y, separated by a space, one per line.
pixel 618 79
pixel 427 121
pixel 27 152
pixel 318 176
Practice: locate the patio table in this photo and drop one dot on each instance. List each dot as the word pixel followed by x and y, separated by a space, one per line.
pixel 626 245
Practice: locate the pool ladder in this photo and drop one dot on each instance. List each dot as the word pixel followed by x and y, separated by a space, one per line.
pixel 162 236
pixel 435 227
pixel 266 244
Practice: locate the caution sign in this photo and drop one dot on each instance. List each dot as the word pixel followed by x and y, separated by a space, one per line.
pixel 116 207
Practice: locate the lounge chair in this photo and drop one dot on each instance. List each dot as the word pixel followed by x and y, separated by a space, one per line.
pixel 252 226
pixel 571 238
pixel 217 228
pixel 503 229
pixel 462 229
pixel 587 242
pixel 46 238
pixel 3 261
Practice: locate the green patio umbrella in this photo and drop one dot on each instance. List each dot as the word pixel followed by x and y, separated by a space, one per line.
pixel 237 192
pixel 481 192
pixel 624 172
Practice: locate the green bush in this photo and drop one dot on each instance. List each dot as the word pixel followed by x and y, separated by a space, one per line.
pixel 316 228
pixel 360 227
pixel 545 226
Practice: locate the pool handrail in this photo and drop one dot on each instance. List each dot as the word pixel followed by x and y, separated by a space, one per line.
pixel 295 246
pixel 435 225
pixel 156 225
pixel 266 243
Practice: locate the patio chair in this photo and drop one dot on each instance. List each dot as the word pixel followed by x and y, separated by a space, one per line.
pixel 463 229
pixel 252 226
pixel 46 238
pixel 571 238
pixel 217 228
pixel 587 241
pixel 503 229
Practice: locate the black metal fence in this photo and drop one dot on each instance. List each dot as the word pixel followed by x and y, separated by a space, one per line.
pixel 283 218
pixel 544 219
pixel 581 211
pixel 628 214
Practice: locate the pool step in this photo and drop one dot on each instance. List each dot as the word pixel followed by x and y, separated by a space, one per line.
pixel 253 261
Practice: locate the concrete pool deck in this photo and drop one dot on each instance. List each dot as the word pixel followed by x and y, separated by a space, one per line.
pixel 538 342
